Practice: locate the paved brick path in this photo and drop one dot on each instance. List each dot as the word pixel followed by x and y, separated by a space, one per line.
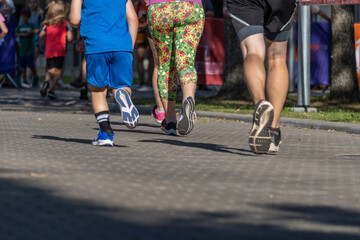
pixel 55 185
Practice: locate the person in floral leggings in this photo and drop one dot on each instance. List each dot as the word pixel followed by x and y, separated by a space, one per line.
pixel 176 27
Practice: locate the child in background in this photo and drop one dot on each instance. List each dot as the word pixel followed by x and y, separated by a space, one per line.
pixel 56 31
pixel 35 18
pixel 25 32
pixel 109 30
pixel 4 29
pixel 142 48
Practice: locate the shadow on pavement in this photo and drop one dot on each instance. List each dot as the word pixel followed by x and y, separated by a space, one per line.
pixel 73 140
pixel 29 212
pixel 136 130
pixel 320 214
pixel 206 146
pixel 140 124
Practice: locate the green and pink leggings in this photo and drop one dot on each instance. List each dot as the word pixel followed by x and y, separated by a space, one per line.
pixel 176 28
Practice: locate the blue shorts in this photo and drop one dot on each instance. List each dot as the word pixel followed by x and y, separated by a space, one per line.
pixel 113 69
pixel 26 61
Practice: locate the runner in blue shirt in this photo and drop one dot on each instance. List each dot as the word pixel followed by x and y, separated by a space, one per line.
pixel 109 29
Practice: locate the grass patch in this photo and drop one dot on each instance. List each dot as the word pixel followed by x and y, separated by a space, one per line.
pixel 328 110
pixel 66 79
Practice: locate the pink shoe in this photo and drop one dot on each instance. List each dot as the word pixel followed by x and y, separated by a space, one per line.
pixel 159 117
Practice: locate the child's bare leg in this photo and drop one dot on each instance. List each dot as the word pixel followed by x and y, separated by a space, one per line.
pixel 102 115
pixel 56 76
pixel 125 88
pixel 83 70
pixel 98 96
pixel 48 76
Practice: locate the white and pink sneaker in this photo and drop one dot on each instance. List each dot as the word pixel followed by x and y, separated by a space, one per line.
pixel 159 117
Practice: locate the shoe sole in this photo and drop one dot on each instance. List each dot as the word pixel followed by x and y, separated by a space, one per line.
pixel 45 89
pixel 106 142
pixel 259 138
pixel 274 148
pixel 186 121
pixel 153 114
pixel 156 120
pixel 129 113
pixel 169 132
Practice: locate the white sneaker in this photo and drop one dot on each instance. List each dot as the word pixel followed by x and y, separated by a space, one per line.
pixel 129 113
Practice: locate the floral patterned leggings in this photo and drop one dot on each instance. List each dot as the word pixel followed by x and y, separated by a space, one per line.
pixel 176 28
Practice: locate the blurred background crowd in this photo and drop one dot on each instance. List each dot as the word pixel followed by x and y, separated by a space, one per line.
pixel 26 17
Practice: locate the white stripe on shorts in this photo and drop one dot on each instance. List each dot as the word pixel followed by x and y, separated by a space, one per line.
pixel 238 19
pixel 290 20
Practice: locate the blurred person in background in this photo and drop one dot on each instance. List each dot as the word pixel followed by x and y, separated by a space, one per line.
pixel 80 47
pixel 3 28
pixel 26 31
pixel 36 19
pixel 56 32
pixel 142 48
pixel 7 8
pixel 60 82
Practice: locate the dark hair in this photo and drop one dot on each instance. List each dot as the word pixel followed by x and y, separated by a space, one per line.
pixel 25 11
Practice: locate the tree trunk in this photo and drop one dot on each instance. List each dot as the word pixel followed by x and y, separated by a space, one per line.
pixel 234 83
pixel 344 84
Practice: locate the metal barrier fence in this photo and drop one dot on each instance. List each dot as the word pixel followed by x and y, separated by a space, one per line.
pixel 304 46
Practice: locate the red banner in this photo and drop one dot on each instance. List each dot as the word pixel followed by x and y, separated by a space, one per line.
pixel 357 49
pixel 210 57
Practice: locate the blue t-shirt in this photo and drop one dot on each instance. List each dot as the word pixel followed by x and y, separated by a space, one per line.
pixel 104 26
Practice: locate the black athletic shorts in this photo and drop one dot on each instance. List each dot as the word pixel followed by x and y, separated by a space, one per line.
pixel 56 62
pixel 273 18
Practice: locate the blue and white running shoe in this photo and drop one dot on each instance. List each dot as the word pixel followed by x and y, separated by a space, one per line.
pixel 103 139
pixel 129 113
